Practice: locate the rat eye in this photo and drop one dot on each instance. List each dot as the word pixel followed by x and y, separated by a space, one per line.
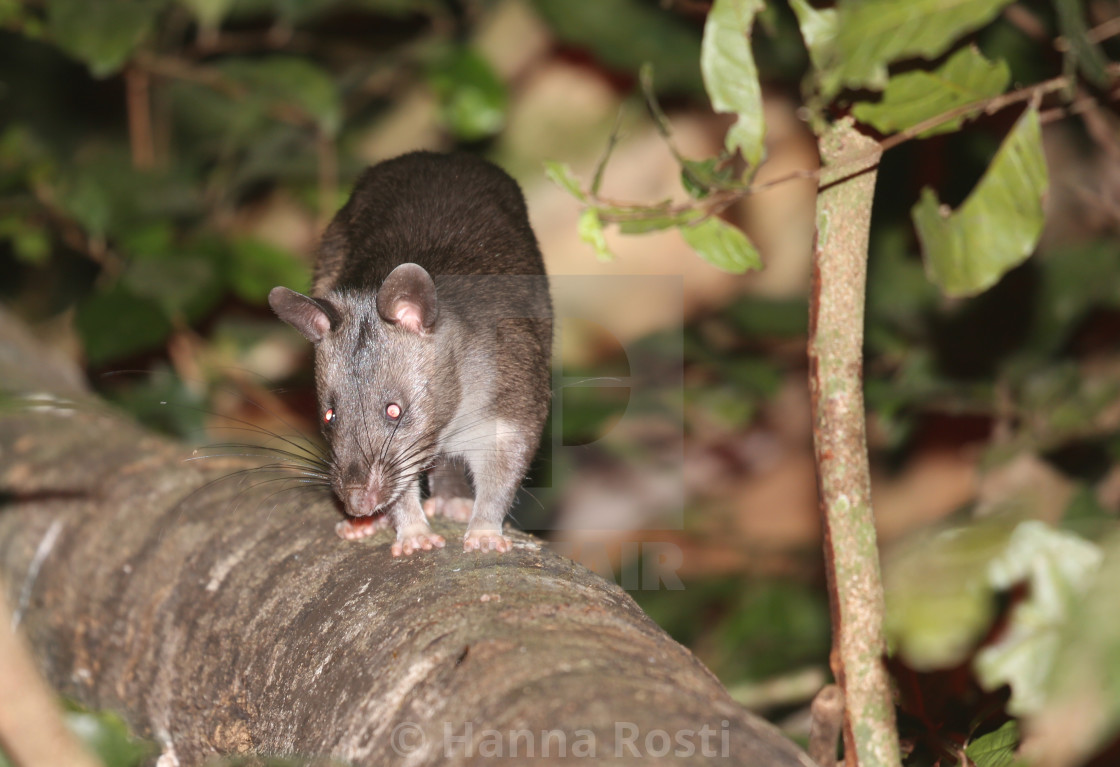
pixel 328 417
pixel 393 411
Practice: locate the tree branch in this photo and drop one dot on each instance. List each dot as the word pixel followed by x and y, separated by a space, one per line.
pixel 840 444
pixel 220 617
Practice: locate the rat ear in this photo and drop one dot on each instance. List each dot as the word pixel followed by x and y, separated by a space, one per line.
pixel 408 298
pixel 314 319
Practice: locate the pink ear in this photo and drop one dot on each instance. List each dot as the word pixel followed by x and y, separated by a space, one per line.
pixel 409 316
pixel 407 298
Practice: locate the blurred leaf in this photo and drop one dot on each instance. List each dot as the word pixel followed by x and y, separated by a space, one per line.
pixel 473 99
pixel 256 267
pixel 182 286
pixel 208 12
pixel 731 77
pixel 938 599
pixel 289 81
pixel 997 748
pixel 29 240
pixel 700 177
pixel 998 226
pixel 1081 713
pixel 108 737
pixel 728 407
pixel 625 34
pixel 88 201
pixel 872 33
pixel 913 97
pixel 722 245
pixel 110 198
pixel 1075 279
pixel 591 231
pixel 757 317
pixel 560 173
pixel 818 30
pixel 103 35
pixel 745 631
pixel 1084 52
pixel 116 322
pixel 1059 567
pixel 898 291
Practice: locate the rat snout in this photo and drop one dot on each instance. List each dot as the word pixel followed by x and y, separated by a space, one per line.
pixel 363 499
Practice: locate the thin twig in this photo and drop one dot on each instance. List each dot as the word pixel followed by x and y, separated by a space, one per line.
pixel 723 198
pixel 139 107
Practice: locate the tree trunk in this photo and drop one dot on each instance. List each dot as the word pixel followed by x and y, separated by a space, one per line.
pixel 219 617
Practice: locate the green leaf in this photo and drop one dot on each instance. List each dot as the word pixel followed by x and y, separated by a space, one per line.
pixel 560 173
pixel 29 240
pixel 722 245
pixel 818 30
pixel 997 227
pixel 116 322
pixel 208 12
pixel 1058 567
pixel 256 267
pixel 108 737
pixel 103 35
pixel 730 75
pixel 938 601
pixel 1086 55
pixel 913 97
pixel 625 34
pixel 872 33
pixel 591 231
pixel 289 81
pixel 997 748
pixel 473 99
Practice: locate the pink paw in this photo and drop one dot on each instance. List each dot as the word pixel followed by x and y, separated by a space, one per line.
pixel 356 528
pixel 458 509
pixel 420 541
pixel 486 540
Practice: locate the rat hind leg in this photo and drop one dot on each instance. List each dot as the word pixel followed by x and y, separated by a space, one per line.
pixel 450 493
pixel 498 473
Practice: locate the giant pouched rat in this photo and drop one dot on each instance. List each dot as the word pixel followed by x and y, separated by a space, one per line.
pixel 432 326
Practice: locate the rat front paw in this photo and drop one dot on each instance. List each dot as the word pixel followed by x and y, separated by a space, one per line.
pixel 421 540
pixel 486 540
pixel 356 528
pixel 458 509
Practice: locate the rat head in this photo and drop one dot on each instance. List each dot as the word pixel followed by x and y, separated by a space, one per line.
pixel 384 382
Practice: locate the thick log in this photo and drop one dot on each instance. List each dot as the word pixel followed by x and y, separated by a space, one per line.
pixel 224 618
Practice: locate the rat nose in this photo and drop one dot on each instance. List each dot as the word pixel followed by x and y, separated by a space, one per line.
pixel 364 499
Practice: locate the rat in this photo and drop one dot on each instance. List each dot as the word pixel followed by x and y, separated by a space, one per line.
pixel 431 321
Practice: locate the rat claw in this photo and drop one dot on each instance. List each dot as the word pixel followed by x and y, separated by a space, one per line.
pixel 356 528
pixel 458 509
pixel 486 540
pixel 421 541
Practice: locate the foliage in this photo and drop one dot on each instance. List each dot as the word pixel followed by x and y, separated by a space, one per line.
pixel 947 591
pixel 144 235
